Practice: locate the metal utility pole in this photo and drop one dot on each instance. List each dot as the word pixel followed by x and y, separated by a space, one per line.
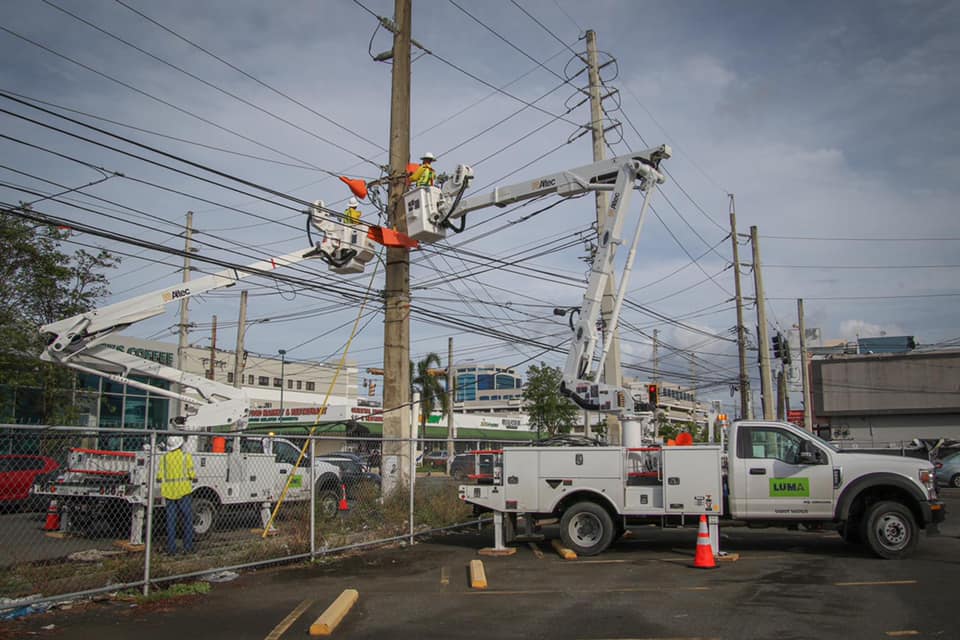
pixel 746 411
pixel 781 395
pixel 184 326
pixel 241 330
pixel 656 357
pixel 211 372
pixel 451 428
pixel 397 450
pixel 611 367
pixel 804 372
pixel 762 337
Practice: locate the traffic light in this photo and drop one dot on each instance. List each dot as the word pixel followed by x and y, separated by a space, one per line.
pixel 777 342
pixel 652 394
pixel 785 348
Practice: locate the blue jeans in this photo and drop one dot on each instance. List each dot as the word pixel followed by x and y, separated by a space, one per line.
pixel 181 509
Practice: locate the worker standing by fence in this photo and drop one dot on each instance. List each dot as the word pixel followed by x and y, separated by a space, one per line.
pixel 176 477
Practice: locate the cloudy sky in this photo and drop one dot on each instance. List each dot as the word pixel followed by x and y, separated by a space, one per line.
pixel 833 124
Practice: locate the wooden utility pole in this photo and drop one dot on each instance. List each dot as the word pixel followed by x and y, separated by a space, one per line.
pixel 397 450
pixel 762 336
pixel 213 351
pixel 804 372
pixel 184 326
pixel 611 367
pixel 241 331
pixel 746 411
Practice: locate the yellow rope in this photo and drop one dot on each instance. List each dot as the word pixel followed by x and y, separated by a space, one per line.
pixel 323 407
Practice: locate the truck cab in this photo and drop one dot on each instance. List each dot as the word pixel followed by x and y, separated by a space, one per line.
pixel 777 472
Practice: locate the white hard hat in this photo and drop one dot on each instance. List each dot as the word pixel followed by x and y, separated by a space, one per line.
pixel 428 156
pixel 353 203
pixel 174 442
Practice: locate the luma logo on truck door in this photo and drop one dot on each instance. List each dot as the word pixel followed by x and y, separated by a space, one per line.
pixel 790 487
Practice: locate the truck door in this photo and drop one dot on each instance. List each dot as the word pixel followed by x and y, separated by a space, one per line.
pixel 785 474
pixel 286 456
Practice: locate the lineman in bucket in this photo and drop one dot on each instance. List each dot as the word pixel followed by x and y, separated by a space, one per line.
pixel 176 477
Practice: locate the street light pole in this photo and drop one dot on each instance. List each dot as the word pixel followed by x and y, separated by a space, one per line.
pixel 283 361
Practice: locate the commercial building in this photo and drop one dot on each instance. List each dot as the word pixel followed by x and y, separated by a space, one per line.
pixel 885 398
pixel 487 388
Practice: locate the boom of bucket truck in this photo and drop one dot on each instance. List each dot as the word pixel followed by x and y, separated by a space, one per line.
pixel 432 210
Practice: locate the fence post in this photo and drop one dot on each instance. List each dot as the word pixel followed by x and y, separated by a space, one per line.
pixel 413 480
pixel 148 545
pixel 313 499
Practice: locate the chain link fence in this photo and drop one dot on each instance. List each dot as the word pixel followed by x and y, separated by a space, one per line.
pixel 84 511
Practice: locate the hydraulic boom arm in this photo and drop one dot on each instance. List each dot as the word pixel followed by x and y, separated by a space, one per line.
pixel 76 343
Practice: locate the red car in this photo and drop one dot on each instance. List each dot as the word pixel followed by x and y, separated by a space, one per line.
pixel 18 474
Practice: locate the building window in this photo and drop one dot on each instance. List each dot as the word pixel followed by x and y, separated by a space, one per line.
pixel 250 379
pixel 299 385
pixel 277 382
pixel 263 381
pixel 230 377
pixel 311 386
pixel 289 384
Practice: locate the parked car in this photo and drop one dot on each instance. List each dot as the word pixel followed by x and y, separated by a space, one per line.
pixel 948 471
pixel 465 465
pixel 18 473
pixel 435 459
pixel 361 483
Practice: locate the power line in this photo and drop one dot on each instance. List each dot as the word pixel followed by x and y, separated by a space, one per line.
pixel 251 77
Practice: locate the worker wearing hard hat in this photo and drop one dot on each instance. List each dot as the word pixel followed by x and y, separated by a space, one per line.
pixel 352 214
pixel 425 175
pixel 176 477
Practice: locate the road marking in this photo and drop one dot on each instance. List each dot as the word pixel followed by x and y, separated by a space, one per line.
pixel 904 632
pixel 444 576
pixel 281 628
pixel 563 591
pixel 879 583
pixel 667 638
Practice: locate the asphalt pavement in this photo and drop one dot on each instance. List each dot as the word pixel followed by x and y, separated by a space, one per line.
pixel 786 584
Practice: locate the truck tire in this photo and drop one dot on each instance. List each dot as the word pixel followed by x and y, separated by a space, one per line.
pixel 890 530
pixel 587 528
pixel 204 516
pixel 955 481
pixel 327 504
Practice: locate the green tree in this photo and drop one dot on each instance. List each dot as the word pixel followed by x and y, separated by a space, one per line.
pixel 548 409
pixel 40 283
pixel 432 393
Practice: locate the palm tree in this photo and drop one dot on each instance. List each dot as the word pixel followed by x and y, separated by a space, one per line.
pixel 428 386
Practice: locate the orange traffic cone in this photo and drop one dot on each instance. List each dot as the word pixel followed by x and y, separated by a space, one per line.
pixel 343 506
pixel 358 187
pixel 704 558
pixel 53 517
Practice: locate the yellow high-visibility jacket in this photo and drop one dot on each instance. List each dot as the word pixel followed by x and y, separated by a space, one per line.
pixel 176 474
pixel 351 215
pixel 423 177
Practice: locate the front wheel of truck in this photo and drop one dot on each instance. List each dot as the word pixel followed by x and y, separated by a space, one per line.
pixel 890 530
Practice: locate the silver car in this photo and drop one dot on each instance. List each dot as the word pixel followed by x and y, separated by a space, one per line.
pixel 948 471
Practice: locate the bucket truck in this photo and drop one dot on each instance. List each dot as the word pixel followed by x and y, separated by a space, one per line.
pixel 768 473
pixel 243 472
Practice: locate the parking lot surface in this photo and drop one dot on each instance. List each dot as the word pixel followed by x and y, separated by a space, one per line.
pixel 786 584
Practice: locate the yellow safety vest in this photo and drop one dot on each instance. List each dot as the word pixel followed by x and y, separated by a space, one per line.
pixel 351 216
pixel 423 177
pixel 175 474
